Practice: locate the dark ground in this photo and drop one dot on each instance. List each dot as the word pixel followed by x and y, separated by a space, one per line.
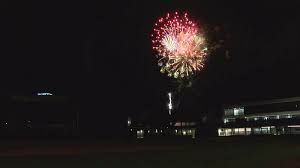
pixel 234 152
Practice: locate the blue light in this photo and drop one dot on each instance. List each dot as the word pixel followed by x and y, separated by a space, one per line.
pixel 44 94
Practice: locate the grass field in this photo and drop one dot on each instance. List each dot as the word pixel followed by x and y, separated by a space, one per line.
pixel 254 152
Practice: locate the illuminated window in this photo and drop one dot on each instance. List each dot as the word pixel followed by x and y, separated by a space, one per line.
pixel 228 112
pixel 241 131
pixel 248 131
pixel 228 132
pixel 177 124
pixel 221 132
pixel 140 134
pixel 238 111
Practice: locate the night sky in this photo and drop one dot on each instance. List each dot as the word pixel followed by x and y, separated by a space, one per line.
pixel 100 53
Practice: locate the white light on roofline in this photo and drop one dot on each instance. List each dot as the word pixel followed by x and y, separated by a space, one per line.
pixel 44 94
pixel 294 126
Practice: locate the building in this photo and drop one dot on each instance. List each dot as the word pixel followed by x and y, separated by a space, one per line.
pixel 269 117
pixel 171 122
pixel 37 114
pixel 178 128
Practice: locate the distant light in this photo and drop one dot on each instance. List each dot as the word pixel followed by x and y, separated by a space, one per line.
pixel 156 131
pixel 140 134
pixel 44 94
pixel 128 121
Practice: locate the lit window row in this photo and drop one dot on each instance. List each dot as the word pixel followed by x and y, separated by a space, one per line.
pixel 264 130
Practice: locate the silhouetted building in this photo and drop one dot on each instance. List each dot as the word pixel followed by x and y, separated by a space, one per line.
pixel 39 114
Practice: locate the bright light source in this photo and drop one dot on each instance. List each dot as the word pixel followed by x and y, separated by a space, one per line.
pixel 226 121
pixel 170 101
pixel 220 131
pixel 44 94
pixel 128 121
pixel 170 104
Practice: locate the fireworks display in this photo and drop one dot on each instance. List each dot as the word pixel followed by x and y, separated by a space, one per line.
pixel 180 45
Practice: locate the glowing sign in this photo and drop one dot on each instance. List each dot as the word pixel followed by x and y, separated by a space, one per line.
pixel 44 94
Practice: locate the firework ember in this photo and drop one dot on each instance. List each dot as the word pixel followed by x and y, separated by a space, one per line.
pixel 180 45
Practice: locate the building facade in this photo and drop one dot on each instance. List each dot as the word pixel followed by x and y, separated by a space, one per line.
pixel 37 115
pixel 269 117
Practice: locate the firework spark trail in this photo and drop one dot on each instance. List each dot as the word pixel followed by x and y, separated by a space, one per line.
pixel 180 44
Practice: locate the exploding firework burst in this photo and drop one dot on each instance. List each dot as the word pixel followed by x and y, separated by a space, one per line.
pixel 180 45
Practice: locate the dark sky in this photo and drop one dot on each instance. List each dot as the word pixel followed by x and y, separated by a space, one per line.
pixel 101 52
